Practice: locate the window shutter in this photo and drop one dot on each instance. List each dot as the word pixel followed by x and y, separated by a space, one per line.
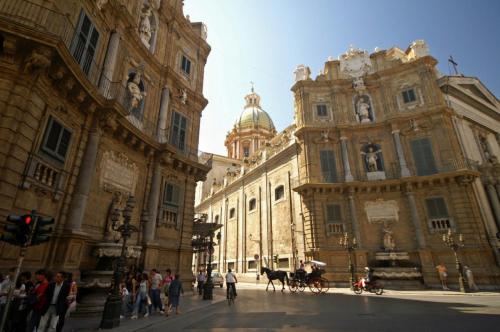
pixel 64 143
pixel 90 50
pixel 182 133
pixel 85 42
pixel 328 166
pixel 333 213
pixel 53 137
pixel 423 157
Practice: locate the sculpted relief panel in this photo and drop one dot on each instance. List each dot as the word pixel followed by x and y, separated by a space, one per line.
pixel 381 211
pixel 118 172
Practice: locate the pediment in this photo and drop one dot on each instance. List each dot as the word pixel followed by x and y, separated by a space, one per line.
pixel 473 89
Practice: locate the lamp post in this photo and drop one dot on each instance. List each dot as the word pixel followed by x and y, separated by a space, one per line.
pixel 349 244
pixel 208 287
pixel 112 308
pixel 450 242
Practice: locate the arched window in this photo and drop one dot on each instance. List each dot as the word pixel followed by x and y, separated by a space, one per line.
pixel 252 204
pixel 279 192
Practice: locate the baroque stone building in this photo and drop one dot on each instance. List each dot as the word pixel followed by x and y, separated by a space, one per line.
pixel 383 147
pixel 101 101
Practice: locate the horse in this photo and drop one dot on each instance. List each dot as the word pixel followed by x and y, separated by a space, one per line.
pixel 273 275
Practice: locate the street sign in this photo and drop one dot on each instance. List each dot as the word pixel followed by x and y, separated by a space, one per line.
pixel 256 256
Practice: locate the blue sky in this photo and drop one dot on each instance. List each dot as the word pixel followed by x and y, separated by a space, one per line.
pixel 264 40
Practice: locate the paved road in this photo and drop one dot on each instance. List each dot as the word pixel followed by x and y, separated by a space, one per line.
pixel 340 310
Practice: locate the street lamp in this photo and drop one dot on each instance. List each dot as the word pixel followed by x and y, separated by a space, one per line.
pixel 208 287
pixel 349 245
pixel 112 308
pixel 450 242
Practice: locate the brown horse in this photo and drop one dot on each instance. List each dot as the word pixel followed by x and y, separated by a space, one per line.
pixel 273 275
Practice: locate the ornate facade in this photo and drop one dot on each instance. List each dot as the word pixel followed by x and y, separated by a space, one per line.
pixel 101 101
pixel 384 148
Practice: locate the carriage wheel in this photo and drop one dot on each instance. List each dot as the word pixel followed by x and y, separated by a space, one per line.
pixel 315 285
pixel 294 286
pixel 302 287
pixel 325 285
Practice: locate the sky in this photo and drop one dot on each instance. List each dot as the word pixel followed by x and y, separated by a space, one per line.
pixel 262 41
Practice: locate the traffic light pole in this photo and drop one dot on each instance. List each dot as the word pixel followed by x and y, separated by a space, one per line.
pixel 20 260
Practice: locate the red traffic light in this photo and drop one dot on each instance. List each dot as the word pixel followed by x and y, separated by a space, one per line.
pixel 27 219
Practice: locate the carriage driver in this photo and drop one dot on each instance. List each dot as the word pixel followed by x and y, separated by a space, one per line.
pixel 368 277
pixel 231 282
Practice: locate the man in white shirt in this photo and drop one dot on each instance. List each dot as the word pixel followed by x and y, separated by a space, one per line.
pixel 156 281
pixel 231 282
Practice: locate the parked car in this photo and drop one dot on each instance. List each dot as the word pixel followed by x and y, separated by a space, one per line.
pixel 217 279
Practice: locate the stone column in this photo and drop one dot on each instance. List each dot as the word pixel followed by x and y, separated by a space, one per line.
pixel 154 194
pixel 405 172
pixel 162 118
pixel 109 64
pixel 495 205
pixel 354 218
pixel 415 219
pixel 84 180
pixel 345 159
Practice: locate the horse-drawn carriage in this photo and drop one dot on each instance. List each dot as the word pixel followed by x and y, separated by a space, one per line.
pixel 314 280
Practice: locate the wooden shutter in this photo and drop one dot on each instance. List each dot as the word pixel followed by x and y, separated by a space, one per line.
pixel 85 42
pixel 423 156
pixel 333 213
pixel 182 133
pixel 327 159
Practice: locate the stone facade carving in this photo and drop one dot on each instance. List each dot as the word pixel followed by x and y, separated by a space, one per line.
pixel 39 58
pixel 419 48
pixel 100 4
pixel 388 239
pixel 373 157
pixel 118 172
pixel 114 215
pixel 355 62
pixel 302 73
pixel 382 211
pixel 134 89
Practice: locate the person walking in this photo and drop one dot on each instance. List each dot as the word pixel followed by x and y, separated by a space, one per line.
pixel 200 282
pixel 141 298
pixel 156 280
pixel 470 278
pixel 56 304
pixel 70 301
pixel 38 298
pixel 443 275
pixel 230 282
pixel 174 292
pixel 166 284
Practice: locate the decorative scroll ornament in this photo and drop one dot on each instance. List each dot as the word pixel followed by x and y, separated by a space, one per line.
pixel 355 62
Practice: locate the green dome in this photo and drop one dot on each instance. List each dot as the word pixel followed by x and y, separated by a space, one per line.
pixel 255 117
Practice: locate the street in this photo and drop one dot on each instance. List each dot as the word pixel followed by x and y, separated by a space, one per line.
pixel 341 310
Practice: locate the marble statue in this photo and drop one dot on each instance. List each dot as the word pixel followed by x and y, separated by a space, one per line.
pixel 371 159
pixel 145 30
pixel 485 148
pixel 135 91
pixel 389 244
pixel 113 217
pixel 183 96
pixel 302 73
pixel 363 112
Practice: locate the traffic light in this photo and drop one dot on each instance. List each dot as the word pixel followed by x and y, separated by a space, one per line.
pixel 18 229
pixel 41 234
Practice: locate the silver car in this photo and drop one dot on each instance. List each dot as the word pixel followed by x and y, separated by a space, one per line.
pixel 217 279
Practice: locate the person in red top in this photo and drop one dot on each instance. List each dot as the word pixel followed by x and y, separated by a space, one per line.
pixel 38 299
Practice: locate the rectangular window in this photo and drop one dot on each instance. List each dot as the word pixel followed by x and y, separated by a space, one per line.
pixel 283 263
pixel 171 202
pixel 56 140
pixel 232 213
pixel 252 265
pixel 84 45
pixel 409 96
pixel 179 129
pixel 186 65
pixel 423 156
pixel 279 193
pixel 328 166
pixel 321 110
pixel 334 222
pixel 251 204
pixel 437 212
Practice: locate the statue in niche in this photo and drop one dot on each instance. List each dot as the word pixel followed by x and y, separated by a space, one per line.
pixel 145 30
pixel 389 244
pixel 485 149
pixel 373 158
pixel 364 113
pixel 114 213
pixel 134 89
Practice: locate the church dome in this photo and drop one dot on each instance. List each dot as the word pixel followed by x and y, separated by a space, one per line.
pixel 253 116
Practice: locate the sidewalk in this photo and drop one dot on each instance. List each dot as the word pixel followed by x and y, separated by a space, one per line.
pixel 189 302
